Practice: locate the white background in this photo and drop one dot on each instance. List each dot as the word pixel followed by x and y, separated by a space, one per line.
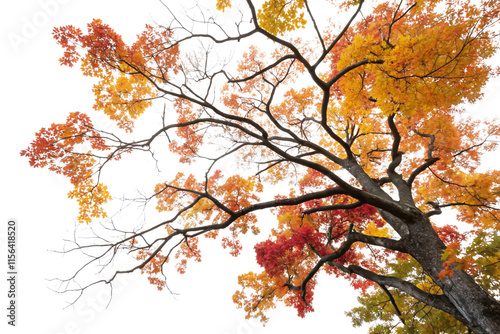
pixel 35 92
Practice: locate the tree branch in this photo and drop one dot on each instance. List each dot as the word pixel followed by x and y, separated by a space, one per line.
pixel 339 36
pixel 334 207
pixel 393 302
pixel 420 169
pixel 404 190
pixel 264 70
pixel 440 302
pixel 351 238
pixel 351 67
pixel 315 26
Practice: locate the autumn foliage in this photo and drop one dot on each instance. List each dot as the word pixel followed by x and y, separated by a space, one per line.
pixel 355 135
pixel 54 147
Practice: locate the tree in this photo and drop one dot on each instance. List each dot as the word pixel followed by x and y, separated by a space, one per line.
pixel 366 122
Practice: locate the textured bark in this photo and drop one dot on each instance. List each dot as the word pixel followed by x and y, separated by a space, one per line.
pixel 480 310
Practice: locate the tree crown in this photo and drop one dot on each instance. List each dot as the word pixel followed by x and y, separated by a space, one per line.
pixel 366 122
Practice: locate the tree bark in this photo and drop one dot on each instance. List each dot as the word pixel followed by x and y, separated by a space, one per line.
pixel 481 311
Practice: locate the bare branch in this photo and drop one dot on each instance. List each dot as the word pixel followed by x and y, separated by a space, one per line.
pixel 315 26
pixel 334 207
pixel 339 36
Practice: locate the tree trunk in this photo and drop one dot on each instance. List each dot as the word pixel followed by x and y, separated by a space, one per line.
pixel 481 310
